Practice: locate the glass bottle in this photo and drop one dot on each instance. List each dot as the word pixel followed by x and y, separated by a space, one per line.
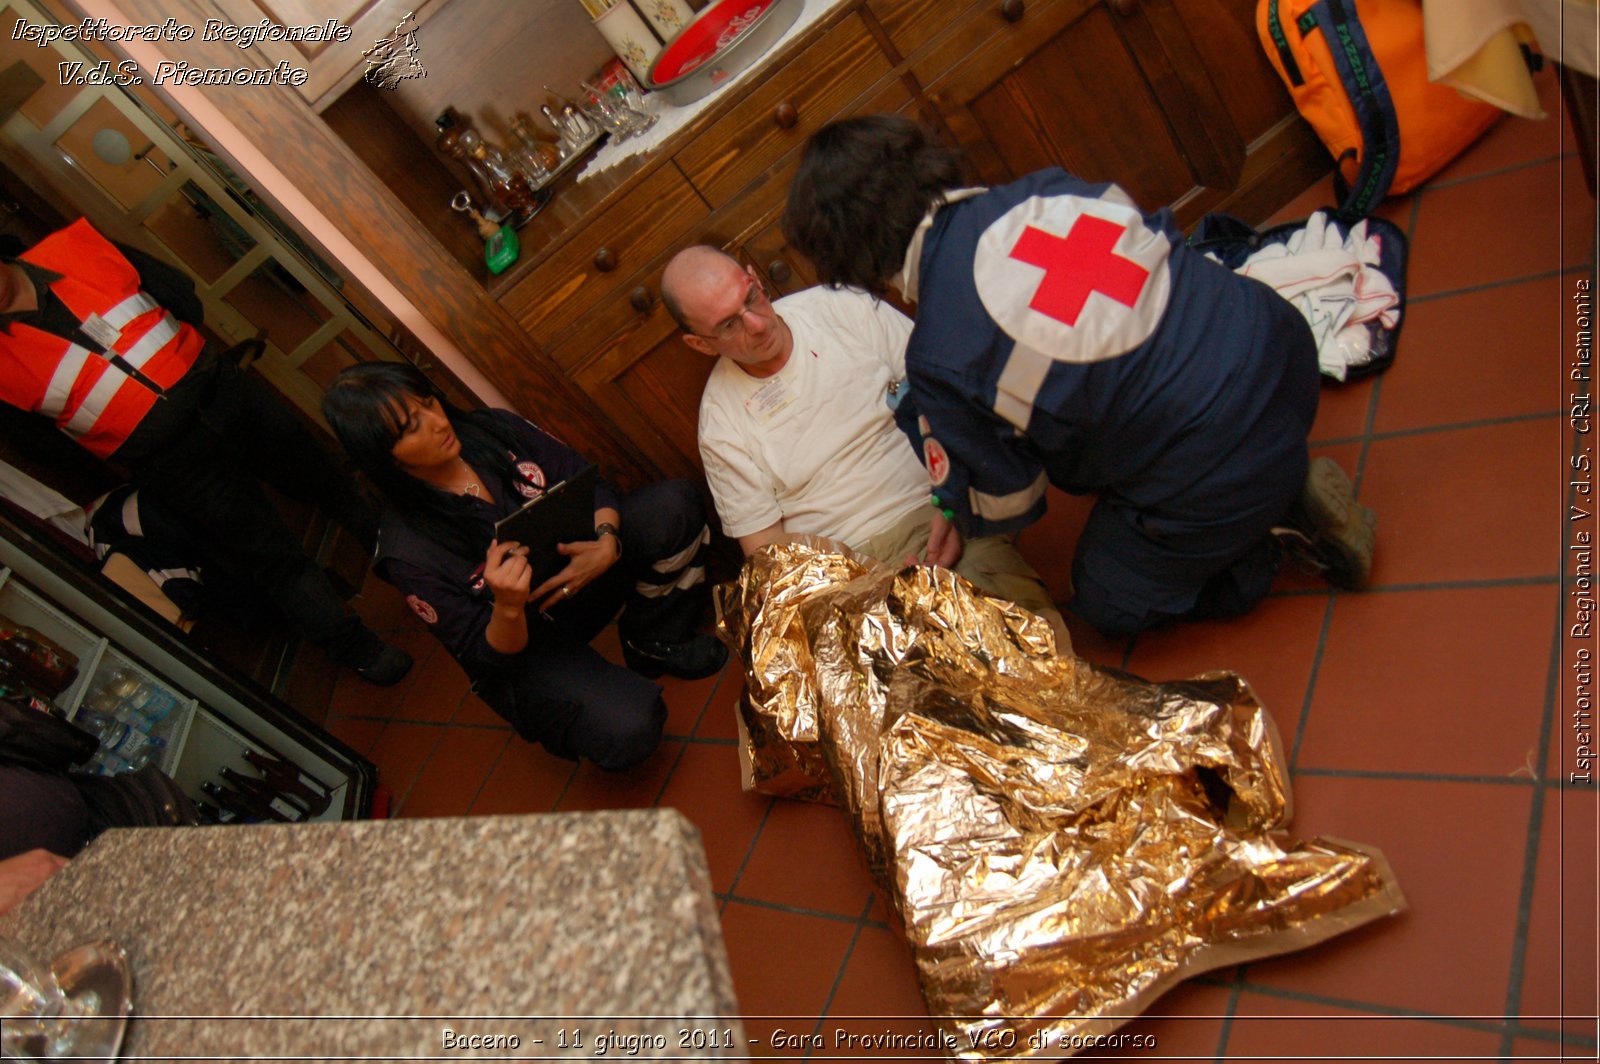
pixel 508 182
pixel 36 660
pixel 577 121
pixel 260 790
pixel 291 779
pixel 449 143
pixel 243 806
pixel 563 131
pixel 539 158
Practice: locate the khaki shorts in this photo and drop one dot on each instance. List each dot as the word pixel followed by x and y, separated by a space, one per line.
pixel 991 563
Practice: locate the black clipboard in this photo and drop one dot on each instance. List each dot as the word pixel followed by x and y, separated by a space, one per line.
pixel 563 514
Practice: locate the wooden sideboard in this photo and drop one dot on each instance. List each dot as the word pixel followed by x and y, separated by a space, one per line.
pixel 1170 98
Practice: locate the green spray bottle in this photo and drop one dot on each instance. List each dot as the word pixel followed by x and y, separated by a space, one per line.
pixel 500 245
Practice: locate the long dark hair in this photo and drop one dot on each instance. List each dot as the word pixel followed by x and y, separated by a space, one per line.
pixel 365 406
pixel 863 186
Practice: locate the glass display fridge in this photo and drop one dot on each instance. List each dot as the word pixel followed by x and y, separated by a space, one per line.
pixel 213 730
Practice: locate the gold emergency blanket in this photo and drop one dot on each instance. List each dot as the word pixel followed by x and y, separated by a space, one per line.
pixel 1063 842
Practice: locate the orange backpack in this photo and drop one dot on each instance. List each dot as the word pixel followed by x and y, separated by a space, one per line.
pixel 1358 72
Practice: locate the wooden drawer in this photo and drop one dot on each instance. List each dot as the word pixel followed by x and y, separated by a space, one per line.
pixel 911 24
pixel 806 94
pixel 987 44
pixel 606 255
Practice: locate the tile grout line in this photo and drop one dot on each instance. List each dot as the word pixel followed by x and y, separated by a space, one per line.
pixel 1373 400
pixel 1311 682
pixel 1385 435
pixel 1308 698
pixel 1530 853
pixel 1321 647
pixel 844 964
pixel 398 801
pixel 799 911
pixel 1333 594
pixel 1226 1030
pixel 504 746
pixel 1415 777
pixel 711 696
pixel 1510 168
pixel 1487 286
pixel 487 776
pixel 666 781
pixel 566 786
pixel 1494 584
pixel 749 852
pixel 1484 1024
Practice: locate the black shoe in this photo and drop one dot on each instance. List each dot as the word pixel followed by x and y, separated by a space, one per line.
pixel 388 668
pixel 698 656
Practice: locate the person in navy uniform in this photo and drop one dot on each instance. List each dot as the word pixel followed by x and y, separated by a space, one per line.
pixel 1065 337
pixel 104 341
pixel 448 476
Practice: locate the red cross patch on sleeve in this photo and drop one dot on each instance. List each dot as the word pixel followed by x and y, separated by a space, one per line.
pixel 422 609
pixel 1078 265
pixel 937 461
pixel 1074 278
pixel 532 484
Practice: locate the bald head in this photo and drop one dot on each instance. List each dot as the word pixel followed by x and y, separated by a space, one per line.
pixel 723 311
pixel 691 276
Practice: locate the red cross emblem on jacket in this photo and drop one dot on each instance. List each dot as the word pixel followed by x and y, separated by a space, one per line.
pixel 1077 264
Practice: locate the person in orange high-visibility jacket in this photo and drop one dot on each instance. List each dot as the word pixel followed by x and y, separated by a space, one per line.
pixel 102 340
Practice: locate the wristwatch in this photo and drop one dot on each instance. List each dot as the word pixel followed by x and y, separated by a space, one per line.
pixel 606 528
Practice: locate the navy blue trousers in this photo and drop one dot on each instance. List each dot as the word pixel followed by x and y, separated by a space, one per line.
pixel 562 693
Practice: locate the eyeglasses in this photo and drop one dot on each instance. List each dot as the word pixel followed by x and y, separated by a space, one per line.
pixel 728 328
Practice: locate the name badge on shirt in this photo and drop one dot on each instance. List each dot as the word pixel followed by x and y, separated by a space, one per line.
pixel 101 331
pixel 769 399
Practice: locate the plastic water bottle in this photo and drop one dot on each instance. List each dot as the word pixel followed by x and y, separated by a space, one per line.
pixel 124 747
pixel 147 706
pixel 125 695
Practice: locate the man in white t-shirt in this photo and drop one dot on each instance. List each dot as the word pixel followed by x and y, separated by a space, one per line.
pixel 797 429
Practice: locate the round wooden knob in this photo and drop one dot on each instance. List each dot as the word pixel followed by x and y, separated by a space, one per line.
pixel 641 299
pixel 1012 10
pixel 779 271
pixel 605 260
pixel 785 115
pixel 1124 7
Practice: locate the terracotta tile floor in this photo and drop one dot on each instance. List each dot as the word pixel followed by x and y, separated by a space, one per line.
pixel 1425 716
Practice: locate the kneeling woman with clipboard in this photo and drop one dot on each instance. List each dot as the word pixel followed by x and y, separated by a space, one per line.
pixel 518 615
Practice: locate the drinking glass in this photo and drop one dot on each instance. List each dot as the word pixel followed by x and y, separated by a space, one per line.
pixel 633 100
pixel 612 110
pixel 37 1016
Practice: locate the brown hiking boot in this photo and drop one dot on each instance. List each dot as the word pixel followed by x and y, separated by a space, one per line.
pixel 1328 530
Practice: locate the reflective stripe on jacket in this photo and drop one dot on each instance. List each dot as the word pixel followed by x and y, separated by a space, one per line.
pixel 88 396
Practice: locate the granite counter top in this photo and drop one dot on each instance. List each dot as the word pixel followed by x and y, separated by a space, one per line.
pixel 374 939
